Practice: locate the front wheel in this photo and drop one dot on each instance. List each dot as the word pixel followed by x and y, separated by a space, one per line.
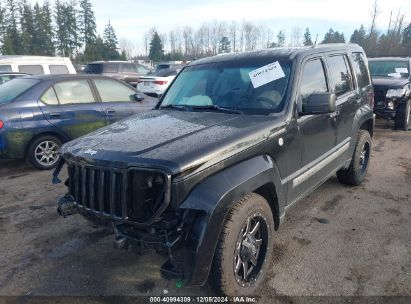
pixel 402 116
pixel 356 172
pixel 43 152
pixel 244 251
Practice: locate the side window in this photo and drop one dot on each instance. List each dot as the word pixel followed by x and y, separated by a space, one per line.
pixel 58 69
pixel 361 71
pixel 113 91
pixel 340 74
pixel 313 79
pixel 31 69
pixel 72 92
pixel 50 97
pixel 129 68
pixel 110 68
pixel 5 68
pixel 142 70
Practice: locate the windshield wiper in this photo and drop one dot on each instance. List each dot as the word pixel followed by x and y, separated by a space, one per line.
pixel 173 106
pixel 217 108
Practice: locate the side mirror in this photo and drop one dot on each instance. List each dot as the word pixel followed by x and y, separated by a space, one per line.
pixel 320 103
pixel 138 97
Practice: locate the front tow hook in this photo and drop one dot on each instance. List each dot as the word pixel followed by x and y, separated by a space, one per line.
pixel 66 206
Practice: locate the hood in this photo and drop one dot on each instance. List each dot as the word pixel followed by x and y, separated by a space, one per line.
pixel 389 82
pixel 172 140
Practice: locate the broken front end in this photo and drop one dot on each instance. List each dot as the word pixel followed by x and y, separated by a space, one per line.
pixel 137 203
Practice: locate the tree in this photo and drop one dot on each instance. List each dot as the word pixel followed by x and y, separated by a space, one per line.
pixel 87 23
pixel 359 36
pixel 281 39
pixel 11 40
pixel 307 38
pixel 225 45
pixel 156 48
pixel 110 43
pixel 333 37
pixel 45 25
pixel 67 36
pixel 29 37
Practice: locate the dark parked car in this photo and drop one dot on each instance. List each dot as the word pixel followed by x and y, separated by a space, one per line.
pixel 39 113
pixel 121 70
pixel 392 86
pixel 237 139
pixel 7 76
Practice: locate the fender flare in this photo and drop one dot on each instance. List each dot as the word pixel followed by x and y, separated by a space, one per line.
pixel 363 114
pixel 214 197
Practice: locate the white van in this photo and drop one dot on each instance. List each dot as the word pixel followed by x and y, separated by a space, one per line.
pixel 36 65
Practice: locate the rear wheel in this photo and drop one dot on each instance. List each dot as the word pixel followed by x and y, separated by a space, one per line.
pixel 356 172
pixel 402 116
pixel 244 251
pixel 43 152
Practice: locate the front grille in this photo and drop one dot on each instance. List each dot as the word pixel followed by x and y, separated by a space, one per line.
pixel 380 99
pixel 134 196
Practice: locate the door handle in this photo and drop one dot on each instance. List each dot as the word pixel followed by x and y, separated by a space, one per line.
pixel 110 111
pixel 55 114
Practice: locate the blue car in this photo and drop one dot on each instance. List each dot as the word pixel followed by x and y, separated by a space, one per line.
pixel 40 113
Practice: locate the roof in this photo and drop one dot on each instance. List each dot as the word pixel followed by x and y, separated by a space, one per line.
pixel 284 52
pixel 66 76
pixel 389 58
pixel 110 61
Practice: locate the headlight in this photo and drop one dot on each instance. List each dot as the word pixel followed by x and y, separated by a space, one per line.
pixel 390 105
pixel 396 93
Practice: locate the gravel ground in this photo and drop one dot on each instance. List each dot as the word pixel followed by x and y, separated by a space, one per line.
pixel 338 241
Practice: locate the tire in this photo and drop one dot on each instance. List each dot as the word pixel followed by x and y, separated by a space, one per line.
pixel 402 116
pixel 226 278
pixel 43 152
pixel 356 172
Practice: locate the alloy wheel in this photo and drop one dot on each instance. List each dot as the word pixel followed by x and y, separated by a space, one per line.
pixel 251 249
pixel 47 153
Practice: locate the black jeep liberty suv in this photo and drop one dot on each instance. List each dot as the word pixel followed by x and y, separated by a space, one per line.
pixel 207 176
pixel 391 78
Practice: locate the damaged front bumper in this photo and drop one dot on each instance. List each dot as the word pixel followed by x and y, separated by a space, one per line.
pixel 166 237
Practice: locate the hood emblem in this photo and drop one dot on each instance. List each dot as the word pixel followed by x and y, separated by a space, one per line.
pixel 91 152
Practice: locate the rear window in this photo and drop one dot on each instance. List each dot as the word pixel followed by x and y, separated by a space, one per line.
pixel 31 69
pixel 94 68
pixel 5 68
pixel 10 90
pixel 361 71
pixel 165 73
pixel 58 69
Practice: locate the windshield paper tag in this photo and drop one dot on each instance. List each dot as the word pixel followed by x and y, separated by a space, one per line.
pixel 401 70
pixel 266 74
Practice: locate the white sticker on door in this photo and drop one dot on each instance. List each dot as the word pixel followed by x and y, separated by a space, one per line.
pixel 266 74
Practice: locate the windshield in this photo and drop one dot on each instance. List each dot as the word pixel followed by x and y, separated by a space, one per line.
pixel 389 68
pixel 10 90
pixel 228 85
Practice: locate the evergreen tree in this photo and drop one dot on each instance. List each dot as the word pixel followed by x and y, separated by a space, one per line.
pixel 156 48
pixel 67 35
pixel 2 25
pixel 333 37
pixel 359 36
pixel 225 45
pixel 28 34
pixel 46 24
pixel 110 43
pixel 11 40
pixel 280 39
pixel 87 23
pixel 307 37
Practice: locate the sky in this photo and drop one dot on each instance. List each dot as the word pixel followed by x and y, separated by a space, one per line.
pixel 132 18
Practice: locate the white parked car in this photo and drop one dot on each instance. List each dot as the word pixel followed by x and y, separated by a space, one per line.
pixel 157 83
pixel 36 65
